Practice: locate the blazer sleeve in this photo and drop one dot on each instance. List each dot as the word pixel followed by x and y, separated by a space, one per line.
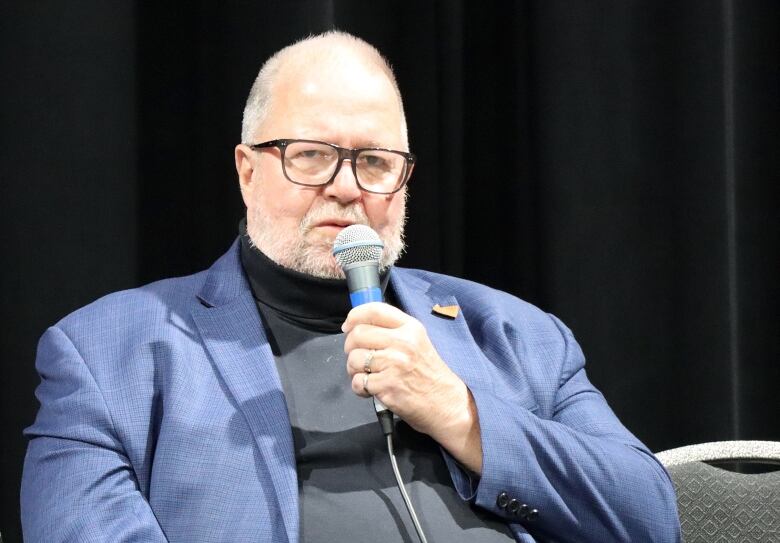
pixel 585 475
pixel 78 484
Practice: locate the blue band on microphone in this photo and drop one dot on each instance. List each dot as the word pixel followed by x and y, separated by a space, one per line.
pixel 364 296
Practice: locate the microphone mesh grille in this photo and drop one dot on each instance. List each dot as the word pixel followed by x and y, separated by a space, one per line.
pixel 357 243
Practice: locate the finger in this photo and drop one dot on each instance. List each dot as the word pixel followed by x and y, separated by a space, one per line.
pixel 376 313
pixel 368 336
pixel 363 361
pixel 374 384
pixel 360 384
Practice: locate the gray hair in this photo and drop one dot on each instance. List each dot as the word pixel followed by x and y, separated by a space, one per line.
pixel 258 104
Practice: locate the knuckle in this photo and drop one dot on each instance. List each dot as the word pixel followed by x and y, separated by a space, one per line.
pixel 357 333
pixel 351 359
pixel 356 386
pixel 415 325
pixel 407 346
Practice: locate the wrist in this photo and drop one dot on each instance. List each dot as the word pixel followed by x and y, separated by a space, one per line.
pixel 459 432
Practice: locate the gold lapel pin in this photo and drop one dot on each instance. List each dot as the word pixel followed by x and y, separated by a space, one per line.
pixel 450 311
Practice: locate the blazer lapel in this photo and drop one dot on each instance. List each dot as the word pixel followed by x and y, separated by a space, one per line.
pixel 233 335
pixel 451 336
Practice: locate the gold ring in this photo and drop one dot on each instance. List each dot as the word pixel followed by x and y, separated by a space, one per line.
pixel 367 363
pixel 365 384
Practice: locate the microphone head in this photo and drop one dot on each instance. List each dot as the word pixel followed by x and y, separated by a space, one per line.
pixel 357 243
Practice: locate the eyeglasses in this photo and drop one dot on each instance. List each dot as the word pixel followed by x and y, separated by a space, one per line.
pixel 314 163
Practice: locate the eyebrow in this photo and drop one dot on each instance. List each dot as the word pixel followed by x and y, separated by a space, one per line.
pixel 373 143
pixel 360 144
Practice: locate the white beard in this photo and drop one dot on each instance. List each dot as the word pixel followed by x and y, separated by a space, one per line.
pixel 299 251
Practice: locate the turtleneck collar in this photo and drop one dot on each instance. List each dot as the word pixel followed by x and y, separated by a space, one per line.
pixel 311 302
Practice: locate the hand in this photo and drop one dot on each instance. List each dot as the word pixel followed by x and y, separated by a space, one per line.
pixel 411 379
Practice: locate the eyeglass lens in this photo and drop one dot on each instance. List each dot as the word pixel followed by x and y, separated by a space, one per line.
pixel 310 163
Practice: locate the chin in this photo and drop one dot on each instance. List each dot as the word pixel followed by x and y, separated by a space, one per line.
pixel 326 272
pixel 316 260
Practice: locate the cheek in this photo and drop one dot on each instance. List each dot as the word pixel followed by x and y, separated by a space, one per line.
pixel 283 203
pixel 384 213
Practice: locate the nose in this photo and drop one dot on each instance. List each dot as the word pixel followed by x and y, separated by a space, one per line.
pixel 344 187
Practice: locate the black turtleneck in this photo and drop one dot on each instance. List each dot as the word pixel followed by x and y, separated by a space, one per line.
pixel 310 302
pixel 345 481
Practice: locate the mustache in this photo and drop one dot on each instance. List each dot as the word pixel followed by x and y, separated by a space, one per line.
pixel 333 210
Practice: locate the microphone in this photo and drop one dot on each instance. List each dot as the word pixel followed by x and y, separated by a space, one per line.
pixel 357 250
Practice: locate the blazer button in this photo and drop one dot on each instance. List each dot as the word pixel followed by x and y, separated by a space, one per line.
pixel 513 506
pixel 523 511
pixel 533 515
pixel 502 500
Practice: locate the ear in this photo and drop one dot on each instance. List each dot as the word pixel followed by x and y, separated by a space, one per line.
pixel 244 169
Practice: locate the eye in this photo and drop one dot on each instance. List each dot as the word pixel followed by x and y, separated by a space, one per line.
pixel 312 154
pixel 373 160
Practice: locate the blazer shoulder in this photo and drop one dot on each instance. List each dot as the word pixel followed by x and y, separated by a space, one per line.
pixel 476 297
pixel 493 316
pixel 134 309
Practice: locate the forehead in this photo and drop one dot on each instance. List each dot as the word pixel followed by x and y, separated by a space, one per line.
pixel 345 99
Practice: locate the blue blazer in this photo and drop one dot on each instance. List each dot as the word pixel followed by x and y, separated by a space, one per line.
pixel 163 419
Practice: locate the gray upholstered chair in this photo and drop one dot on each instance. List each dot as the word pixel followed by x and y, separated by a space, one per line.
pixel 720 506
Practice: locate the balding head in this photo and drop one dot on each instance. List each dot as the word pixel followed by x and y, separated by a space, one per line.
pixel 343 54
pixel 336 89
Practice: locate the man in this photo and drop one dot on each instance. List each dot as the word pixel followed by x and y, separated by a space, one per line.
pixel 230 405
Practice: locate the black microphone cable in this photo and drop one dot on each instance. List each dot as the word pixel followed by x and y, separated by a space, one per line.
pixel 386 422
pixel 357 250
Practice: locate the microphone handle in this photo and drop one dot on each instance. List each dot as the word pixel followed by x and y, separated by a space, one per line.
pixel 379 407
pixel 363 283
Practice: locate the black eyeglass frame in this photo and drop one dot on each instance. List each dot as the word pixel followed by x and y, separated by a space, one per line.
pixel 344 153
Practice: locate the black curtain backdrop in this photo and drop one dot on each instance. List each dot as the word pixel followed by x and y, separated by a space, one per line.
pixel 612 162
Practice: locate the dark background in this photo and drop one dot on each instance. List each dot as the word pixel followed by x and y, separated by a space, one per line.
pixel 613 162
